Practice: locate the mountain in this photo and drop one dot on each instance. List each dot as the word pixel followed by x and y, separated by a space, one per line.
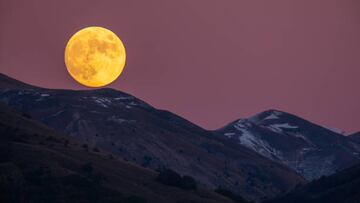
pixel 355 137
pixel 9 83
pixel 38 164
pixel 342 187
pixel 129 128
pixel 309 149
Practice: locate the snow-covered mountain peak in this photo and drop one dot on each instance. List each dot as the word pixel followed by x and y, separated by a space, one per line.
pixel 243 123
pixel 267 115
pixel 309 149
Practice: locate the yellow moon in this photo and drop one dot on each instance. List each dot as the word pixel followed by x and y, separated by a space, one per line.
pixel 95 56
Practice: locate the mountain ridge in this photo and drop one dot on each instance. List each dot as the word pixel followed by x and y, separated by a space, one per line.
pixel 130 128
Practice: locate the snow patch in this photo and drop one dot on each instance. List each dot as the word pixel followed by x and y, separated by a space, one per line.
pixel 301 136
pixel 243 123
pixel 120 120
pixel 104 102
pixel 255 143
pixel 271 116
pixel 123 98
pixel 133 103
pixel 281 126
pixel 229 135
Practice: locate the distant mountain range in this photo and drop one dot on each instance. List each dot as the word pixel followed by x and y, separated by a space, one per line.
pixel 129 128
pixel 309 149
pixel 260 157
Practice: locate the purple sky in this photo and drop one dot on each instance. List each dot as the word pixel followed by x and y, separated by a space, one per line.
pixel 209 61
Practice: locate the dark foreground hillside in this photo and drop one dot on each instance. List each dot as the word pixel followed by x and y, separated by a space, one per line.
pixel 38 165
pixel 343 187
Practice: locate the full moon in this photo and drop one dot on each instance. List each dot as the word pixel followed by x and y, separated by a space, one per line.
pixel 95 56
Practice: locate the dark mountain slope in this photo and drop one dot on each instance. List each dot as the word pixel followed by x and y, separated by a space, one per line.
pixel 39 165
pixel 355 137
pixel 310 149
pixel 9 83
pixel 129 128
pixel 343 187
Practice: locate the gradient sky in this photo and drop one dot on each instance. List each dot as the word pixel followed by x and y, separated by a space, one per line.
pixel 209 61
